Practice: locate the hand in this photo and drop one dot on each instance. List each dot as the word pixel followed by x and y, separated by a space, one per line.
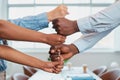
pixel 59 12
pixel 53 67
pixel 54 39
pixel 64 26
pixel 66 51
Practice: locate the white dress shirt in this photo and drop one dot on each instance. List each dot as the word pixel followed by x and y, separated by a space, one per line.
pixel 97 26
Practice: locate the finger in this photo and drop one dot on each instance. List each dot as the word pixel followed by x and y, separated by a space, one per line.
pixel 61 58
pixel 59 66
pixel 61 32
pixel 52 50
pixel 57 70
pixel 49 70
pixel 55 25
pixel 66 12
pixel 61 39
pixel 54 58
pixel 55 21
pixel 54 55
pixel 65 9
pixel 54 68
pixel 59 28
pixel 56 63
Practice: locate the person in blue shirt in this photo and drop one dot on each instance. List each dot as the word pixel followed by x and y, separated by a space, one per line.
pixel 10 31
pixel 93 29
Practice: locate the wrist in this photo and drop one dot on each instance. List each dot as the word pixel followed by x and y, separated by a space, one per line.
pixel 36 65
pixel 43 38
pixel 50 16
pixel 75 26
pixel 42 65
pixel 74 49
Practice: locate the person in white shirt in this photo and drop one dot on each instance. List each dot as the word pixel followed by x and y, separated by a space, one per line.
pixel 93 28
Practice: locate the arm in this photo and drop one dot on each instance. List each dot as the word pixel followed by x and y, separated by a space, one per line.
pixel 94 29
pixel 89 40
pixel 13 32
pixel 79 46
pixel 41 21
pixel 13 55
pixel 104 20
pixel 100 22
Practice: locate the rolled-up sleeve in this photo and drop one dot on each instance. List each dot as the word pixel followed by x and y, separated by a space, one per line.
pixel 32 22
pixel 104 20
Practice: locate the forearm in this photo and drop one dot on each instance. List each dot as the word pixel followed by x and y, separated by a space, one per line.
pixel 13 55
pixel 73 49
pixel 88 41
pixel 104 20
pixel 13 32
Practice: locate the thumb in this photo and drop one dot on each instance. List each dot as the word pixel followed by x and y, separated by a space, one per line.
pixel 55 63
pixel 59 61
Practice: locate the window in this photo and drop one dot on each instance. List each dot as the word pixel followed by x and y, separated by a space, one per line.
pixel 77 9
pixel 20 1
pixel 103 1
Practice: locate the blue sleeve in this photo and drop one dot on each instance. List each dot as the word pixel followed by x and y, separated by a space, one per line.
pixel 104 20
pixel 37 22
pixel 3 65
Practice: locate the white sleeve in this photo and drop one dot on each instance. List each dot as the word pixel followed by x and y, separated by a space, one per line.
pixel 89 40
pixel 106 19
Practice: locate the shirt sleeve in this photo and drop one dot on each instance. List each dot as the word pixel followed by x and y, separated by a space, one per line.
pixel 32 22
pixel 89 40
pixel 104 20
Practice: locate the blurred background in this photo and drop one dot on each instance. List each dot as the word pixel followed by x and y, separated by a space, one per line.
pixel 105 52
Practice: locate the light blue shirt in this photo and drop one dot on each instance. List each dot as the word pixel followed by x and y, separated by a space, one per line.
pixel 97 26
pixel 31 22
pixel 37 22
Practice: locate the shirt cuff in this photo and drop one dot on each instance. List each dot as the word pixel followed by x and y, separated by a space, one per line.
pixel 44 17
pixel 82 45
pixel 85 26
